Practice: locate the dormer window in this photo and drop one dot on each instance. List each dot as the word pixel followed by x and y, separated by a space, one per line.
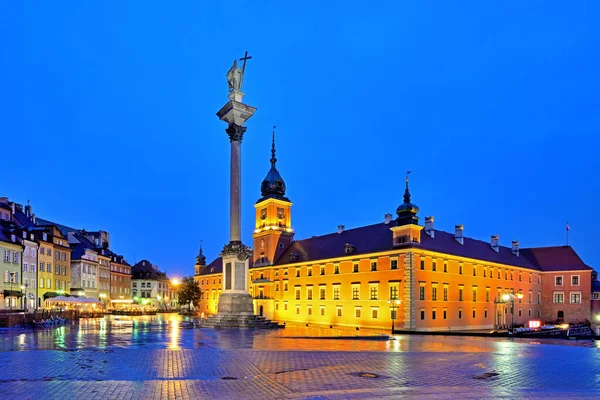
pixel 349 248
pixel 293 257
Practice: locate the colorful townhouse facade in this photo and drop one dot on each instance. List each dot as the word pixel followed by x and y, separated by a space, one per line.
pixel 399 272
pixel 120 281
pixel 10 267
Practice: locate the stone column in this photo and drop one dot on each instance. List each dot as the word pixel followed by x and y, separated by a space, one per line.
pixel 235 299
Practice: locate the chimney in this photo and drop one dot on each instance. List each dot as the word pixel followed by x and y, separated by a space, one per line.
pixel 429 227
pixel 387 218
pixel 28 211
pixel 458 233
pixel 494 243
pixel 341 229
pixel 515 247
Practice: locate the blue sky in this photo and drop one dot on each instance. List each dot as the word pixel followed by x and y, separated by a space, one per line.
pixel 107 117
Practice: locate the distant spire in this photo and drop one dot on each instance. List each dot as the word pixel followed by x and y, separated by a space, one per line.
pixel 273 159
pixel 200 253
pixel 27 201
pixel 406 191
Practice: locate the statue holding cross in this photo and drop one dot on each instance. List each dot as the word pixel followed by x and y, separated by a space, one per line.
pixel 235 75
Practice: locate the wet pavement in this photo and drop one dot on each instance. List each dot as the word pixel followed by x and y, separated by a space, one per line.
pixel 154 357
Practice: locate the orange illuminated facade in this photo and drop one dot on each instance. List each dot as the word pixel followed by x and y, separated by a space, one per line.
pixel 421 278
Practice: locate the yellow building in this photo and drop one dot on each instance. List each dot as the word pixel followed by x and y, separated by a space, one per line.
pixel 54 263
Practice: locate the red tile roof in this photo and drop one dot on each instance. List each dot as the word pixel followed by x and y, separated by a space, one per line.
pixel 556 258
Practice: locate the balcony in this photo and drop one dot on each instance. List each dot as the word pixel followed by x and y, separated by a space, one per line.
pixel 262 297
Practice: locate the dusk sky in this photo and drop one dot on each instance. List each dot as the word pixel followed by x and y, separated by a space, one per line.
pixel 107 117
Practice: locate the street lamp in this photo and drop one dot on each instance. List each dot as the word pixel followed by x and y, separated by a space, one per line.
pixel 394 305
pixel 12 277
pixel 24 287
pixel 511 296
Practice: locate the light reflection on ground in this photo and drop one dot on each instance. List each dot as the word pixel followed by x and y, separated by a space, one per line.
pixel 164 331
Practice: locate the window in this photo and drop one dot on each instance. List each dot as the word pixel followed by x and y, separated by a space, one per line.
pixel 520 277
pixel 460 294
pixel 393 292
pixel 322 309
pixel 41 250
pixel 309 293
pixel 484 272
pixel 445 266
pixel 336 292
pixel 49 283
pixel 487 295
pixel 485 313
pixel 49 252
pixel 309 271
pixel 434 266
pixel 422 313
pixel 276 306
pixel 460 268
pixel 559 298
pixel 374 312
pixel 284 306
pixel 6 256
pixel 285 286
pixel 322 293
pixel 42 283
pixel 339 311
pixel 15 258
pixel 434 293
pixel 394 264
pixel 309 310
pixel 445 313
pixel 473 313
pixel 373 265
pixel 57 255
pixel 445 292
pixel 422 293
pixel 474 271
pixel 433 312
pixel 575 298
pixel 373 292
pixel 529 278
pixel 49 267
pixel 575 280
pixel 460 313
pixel 297 272
pixel 336 269
pixel 322 270
pixel 520 312
pixel 474 294
pixel 357 312
pixel 297 293
pixel 297 310
pixel 558 280
pixel 355 292
pixel 595 296
pixel 355 267
pixel 25 267
pixel 422 264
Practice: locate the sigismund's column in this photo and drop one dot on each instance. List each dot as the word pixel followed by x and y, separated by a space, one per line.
pixel 235 299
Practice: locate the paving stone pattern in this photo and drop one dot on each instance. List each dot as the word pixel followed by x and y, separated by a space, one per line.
pixel 163 362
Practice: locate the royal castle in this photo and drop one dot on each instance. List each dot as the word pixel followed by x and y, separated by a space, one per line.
pixel 399 271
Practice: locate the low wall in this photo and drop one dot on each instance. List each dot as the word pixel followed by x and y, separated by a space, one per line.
pixel 8 320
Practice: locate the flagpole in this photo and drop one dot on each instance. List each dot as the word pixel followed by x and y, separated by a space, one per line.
pixel 567 231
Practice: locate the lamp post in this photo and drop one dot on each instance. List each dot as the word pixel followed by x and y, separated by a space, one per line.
pixel 24 287
pixel 12 277
pixel 512 297
pixel 394 305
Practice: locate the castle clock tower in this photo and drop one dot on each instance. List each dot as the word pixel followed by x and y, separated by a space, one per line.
pixel 273 232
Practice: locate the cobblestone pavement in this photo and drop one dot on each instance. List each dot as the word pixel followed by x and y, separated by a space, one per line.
pixel 191 364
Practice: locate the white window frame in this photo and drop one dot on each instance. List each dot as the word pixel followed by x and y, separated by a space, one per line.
pixel 554 297
pixel 578 280
pixel 562 280
pixel 571 297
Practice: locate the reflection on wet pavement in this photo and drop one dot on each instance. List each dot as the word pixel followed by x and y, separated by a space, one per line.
pixel 164 332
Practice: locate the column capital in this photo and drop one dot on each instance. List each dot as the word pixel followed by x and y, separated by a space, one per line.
pixel 235 132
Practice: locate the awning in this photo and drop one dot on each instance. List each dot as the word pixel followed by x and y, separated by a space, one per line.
pixel 127 301
pixel 12 293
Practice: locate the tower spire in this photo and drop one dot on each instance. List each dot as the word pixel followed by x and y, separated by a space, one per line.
pixel 273 158
pixel 406 191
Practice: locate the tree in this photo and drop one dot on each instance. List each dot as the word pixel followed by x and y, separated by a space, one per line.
pixel 189 293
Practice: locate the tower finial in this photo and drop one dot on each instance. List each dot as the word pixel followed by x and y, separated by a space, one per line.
pixel 273 158
pixel 406 191
pixel 200 246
